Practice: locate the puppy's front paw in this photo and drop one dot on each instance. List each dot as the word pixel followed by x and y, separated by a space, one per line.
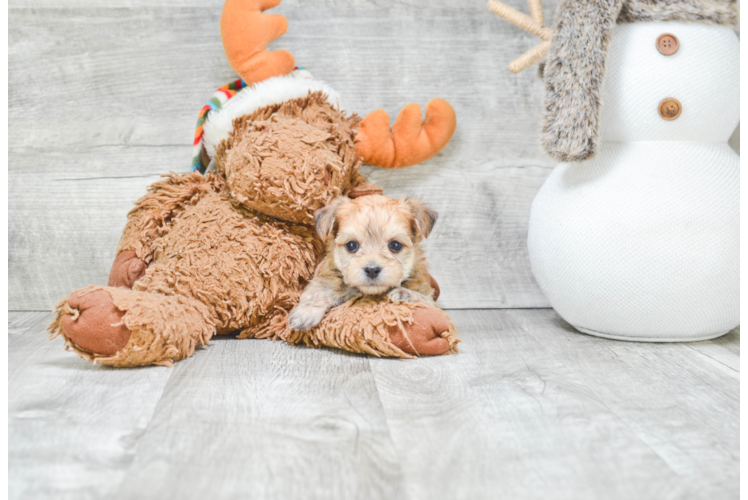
pixel 402 294
pixel 305 317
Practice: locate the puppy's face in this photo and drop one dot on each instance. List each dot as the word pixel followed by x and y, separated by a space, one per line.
pixel 374 239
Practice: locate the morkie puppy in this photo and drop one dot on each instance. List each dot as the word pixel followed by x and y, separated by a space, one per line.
pixel 372 248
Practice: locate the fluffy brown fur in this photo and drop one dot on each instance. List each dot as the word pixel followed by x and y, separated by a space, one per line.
pixel 374 222
pixel 233 250
pixel 154 213
pixel 240 265
pixel 372 267
pixel 365 324
pixel 575 65
pixel 290 159
pixel 163 328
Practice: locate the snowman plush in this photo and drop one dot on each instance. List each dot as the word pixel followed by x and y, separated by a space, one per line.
pixel 635 235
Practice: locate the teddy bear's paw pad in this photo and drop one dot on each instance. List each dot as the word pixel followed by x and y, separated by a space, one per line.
pixel 423 336
pixel 96 325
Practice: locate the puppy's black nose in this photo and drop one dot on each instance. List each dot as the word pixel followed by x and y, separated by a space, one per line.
pixel 372 270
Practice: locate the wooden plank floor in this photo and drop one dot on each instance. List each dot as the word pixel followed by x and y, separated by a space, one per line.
pixel 528 409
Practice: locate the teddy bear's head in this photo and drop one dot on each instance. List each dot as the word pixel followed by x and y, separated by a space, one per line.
pixel 277 135
pixel 290 159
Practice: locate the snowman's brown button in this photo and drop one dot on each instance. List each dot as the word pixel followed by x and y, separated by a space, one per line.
pixel 670 108
pixel 667 44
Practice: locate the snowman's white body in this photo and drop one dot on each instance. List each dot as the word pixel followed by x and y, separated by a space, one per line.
pixel 641 242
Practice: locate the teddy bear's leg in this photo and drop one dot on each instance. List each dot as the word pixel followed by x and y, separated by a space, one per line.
pixel 150 219
pixel 270 326
pixel 422 337
pixel 95 324
pixel 121 327
pixel 382 328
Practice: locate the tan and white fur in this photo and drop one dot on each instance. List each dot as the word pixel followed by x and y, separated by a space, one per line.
pixel 372 248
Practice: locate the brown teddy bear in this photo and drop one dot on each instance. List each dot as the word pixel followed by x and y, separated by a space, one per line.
pixel 232 249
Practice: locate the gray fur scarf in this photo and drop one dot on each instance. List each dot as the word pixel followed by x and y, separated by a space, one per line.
pixel 575 65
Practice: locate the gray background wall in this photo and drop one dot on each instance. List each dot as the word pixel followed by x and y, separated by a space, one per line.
pixel 104 95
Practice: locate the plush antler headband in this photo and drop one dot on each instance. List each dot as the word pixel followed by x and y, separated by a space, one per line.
pixel 575 52
pixel 246 32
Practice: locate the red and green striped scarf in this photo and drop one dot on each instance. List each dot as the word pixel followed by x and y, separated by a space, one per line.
pixel 200 158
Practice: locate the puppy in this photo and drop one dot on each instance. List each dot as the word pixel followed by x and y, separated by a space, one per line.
pixel 372 248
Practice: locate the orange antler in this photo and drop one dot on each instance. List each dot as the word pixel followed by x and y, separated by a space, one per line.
pixel 411 140
pixel 534 25
pixel 246 33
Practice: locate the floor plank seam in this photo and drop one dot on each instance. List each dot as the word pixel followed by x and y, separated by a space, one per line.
pixel 146 176
pixel 384 412
pixel 79 147
pixel 496 308
pixel 144 431
pixel 713 360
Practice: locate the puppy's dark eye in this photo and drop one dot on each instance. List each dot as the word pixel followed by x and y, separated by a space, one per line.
pixel 395 246
pixel 351 246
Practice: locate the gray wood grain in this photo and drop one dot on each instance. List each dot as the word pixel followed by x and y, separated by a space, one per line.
pixel 532 409
pixel 72 426
pixel 257 419
pixel 110 87
pixel 684 407
pixel 724 350
pixel 104 99
pixel 70 217
pixel 528 409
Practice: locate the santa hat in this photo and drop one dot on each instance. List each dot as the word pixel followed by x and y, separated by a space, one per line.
pixel 236 99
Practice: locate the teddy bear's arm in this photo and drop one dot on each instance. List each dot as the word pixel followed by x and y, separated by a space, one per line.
pixel 152 218
pixel 153 213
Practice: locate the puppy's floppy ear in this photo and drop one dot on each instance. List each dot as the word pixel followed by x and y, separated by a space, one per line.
pixel 424 217
pixel 324 218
